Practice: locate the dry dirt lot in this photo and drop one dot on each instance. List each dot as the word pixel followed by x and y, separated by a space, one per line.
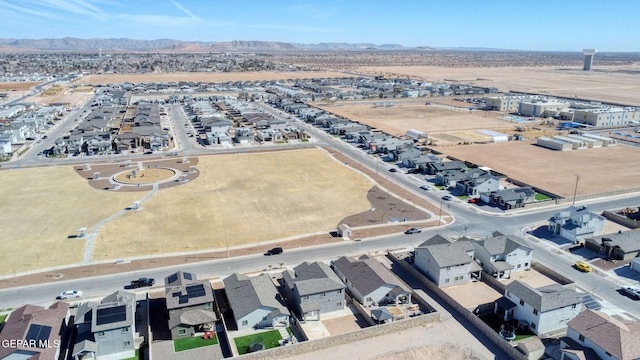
pixel 407 115
pixel 206 77
pixel 556 170
pixel 42 208
pixel 618 84
pixel 17 86
pixel 240 199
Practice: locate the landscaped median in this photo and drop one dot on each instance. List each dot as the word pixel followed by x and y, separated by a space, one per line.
pixel 193 343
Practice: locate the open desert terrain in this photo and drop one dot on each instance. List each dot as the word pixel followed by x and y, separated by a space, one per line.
pixel 205 76
pixel 616 84
pixel 556 171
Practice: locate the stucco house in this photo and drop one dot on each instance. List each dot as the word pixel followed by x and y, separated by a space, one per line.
pixel 369 282
pixel 608 337
pixel 446 262
pixel 502 255
pixel 315 289
pixel 30 323
pixel 576 223
pixel 510 198
pixel 623 245
pixel 477 181
pixel 542 310
pixel 106 330
pixel 255 302
pixel 189 304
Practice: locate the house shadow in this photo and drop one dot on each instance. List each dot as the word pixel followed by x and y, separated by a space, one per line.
pixel 626 271
pixel 541 232
pixel 158 322
pixel 583 252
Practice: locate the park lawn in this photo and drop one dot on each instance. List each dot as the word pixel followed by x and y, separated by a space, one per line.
pixel 268 339
pixel 2 318
pixel 193 343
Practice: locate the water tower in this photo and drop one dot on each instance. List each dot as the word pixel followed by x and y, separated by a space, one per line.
pixel 588 58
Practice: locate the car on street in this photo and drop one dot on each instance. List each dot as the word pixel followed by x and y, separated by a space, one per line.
pixel 473 200
pixel 141 282
pixel 413 231
pixel 446 197
pixel 69 294
pixel 583 266
pixel 393 170
pixel 424 187
pixel 632 291
pixel 148 153
pixel 274 251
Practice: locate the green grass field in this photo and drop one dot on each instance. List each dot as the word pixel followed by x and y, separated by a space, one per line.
pixel 193 343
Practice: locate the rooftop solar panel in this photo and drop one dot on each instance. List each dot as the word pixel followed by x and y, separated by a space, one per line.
pixel 188 276
pixel 194 291
pixel 183 299
pixel 173 278
pixel 39 334
pixel 111 315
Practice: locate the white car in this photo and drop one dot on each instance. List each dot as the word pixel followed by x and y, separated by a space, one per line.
pixel 424 187
pixel 70 294
pixel 633 291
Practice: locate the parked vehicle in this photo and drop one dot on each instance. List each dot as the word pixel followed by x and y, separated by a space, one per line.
pixel 393 170
pixel 69 294
pixel 446 197
pixel 274 251
pixel 583 266
pixel 142 282
pixel 413 231
pixel 424 187
pixel 632 291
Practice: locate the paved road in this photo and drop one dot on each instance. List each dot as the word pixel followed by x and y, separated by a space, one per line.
pixel 471 220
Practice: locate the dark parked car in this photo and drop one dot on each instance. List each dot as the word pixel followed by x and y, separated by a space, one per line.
pixel 393 170
pixel 274 251
pixel 141 282
pixel 446 197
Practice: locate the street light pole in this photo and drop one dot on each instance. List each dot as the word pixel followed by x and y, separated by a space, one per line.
pixel 440 214
pixel 575 191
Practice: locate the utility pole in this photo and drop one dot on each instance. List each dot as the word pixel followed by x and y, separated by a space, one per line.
pixel 226 240
pixel 575 191
pixel 440 214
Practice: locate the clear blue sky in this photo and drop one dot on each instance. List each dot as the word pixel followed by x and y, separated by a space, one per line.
pixel 559 25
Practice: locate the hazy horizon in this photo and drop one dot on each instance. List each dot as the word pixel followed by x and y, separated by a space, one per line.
pixel 524 25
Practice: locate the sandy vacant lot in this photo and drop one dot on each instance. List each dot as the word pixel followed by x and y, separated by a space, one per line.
pixel 619 84
pixel 206 77
pixel 405 115
pixel 556 170
pixel 242 199
pixel 41 208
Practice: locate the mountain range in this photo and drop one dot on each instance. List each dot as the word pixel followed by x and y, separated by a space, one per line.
pixel 170 45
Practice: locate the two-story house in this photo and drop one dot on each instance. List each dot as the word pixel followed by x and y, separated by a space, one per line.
pixel 315 289
pixel 255 302
pixel 543 310
pixel 608 337
pixel 106 330
pixel 369 282
pixel 38 331
pixel 501 255
pixel 189 304
pixel 576 223
pixel 447 263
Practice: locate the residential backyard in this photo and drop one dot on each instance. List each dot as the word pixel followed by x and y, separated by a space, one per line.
pixel 193 342
pixel 257 342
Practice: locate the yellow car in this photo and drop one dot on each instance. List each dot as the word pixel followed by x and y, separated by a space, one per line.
pixel 583 266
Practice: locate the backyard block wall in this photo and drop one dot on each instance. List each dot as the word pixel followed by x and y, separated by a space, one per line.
pixel 468 318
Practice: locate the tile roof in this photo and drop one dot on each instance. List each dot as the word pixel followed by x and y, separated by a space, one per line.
pixel 613 336
pixel 544 298
pixel 313 278
pixel 366 274
pixel 247 294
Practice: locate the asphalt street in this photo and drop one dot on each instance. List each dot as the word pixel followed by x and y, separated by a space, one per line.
pixel 470 220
